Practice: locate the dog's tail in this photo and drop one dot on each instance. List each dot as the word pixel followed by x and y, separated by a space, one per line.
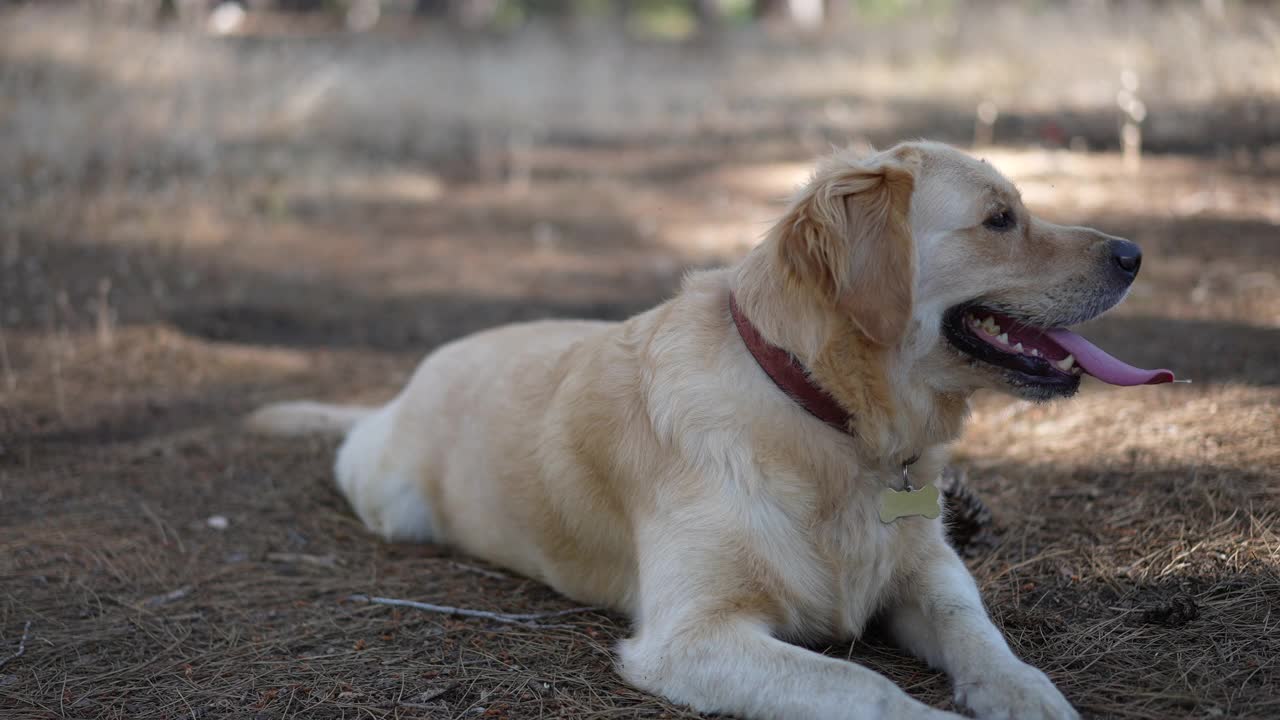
pixel 306 418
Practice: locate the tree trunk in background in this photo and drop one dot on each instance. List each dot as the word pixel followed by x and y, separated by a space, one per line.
pixel 770 8
pixel 710 13
pixel 467 13
pixel 188 12
pixel 835 11
pixel 166 10
pixel 806 13
pixel 549 8
pixel 621 13
pixel 431 8
pixel 473 14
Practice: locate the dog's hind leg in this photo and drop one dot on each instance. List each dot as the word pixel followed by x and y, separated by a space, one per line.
pixel 384 483
pixel 383 486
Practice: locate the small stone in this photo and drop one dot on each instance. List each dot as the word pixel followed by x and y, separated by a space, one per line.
pixel 218 522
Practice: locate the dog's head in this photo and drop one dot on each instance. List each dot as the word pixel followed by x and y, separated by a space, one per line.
pixel 932 254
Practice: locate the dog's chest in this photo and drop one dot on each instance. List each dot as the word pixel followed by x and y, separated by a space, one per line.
pixel 843 566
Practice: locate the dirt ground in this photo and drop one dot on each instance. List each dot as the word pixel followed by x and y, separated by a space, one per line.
pixel 162 273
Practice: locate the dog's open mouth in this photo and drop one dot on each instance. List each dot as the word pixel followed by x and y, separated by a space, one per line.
pixel 1052 358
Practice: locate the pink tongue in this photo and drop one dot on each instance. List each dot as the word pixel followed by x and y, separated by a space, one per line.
pixel 1104 367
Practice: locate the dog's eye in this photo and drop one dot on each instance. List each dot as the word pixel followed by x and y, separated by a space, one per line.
pixel 1003 220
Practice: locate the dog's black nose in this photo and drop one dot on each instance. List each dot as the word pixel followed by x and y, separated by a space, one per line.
pixel 1127 256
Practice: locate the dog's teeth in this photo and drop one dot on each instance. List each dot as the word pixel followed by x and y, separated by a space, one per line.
pixel 1003 338
pixel 1076 370
pixel 1067 362
pixel 1035 352
pixel 1018 348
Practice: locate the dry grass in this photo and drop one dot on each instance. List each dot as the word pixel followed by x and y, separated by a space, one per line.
pixel 190 227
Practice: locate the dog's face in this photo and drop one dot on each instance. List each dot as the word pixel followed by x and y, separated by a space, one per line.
pixel 936 255
pixel 992 277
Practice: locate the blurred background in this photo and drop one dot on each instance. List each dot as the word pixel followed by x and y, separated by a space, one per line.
pixel 205 205
pixel 263 155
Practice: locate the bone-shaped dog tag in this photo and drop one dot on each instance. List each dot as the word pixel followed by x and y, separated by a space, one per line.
pixel 905 503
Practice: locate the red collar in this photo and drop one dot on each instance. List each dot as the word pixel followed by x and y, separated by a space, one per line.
pixel 789 375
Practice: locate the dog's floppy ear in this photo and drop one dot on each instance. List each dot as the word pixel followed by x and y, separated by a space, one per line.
pixel 847 236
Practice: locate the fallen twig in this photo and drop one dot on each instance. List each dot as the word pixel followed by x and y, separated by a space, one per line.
pixel 514 618
pixel 22 646
pixel 166 598
pixel 327 561
pixel 422 701
pixel 479 570
pixel 419 706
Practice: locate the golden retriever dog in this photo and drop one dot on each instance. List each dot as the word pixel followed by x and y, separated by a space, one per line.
pixel 731 468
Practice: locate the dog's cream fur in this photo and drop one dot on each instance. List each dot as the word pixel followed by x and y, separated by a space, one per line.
pixel 651 466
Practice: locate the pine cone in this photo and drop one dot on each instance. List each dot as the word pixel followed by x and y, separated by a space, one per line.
pixel 970 528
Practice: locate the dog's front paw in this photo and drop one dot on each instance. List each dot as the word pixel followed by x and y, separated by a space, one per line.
pixel 1019 692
